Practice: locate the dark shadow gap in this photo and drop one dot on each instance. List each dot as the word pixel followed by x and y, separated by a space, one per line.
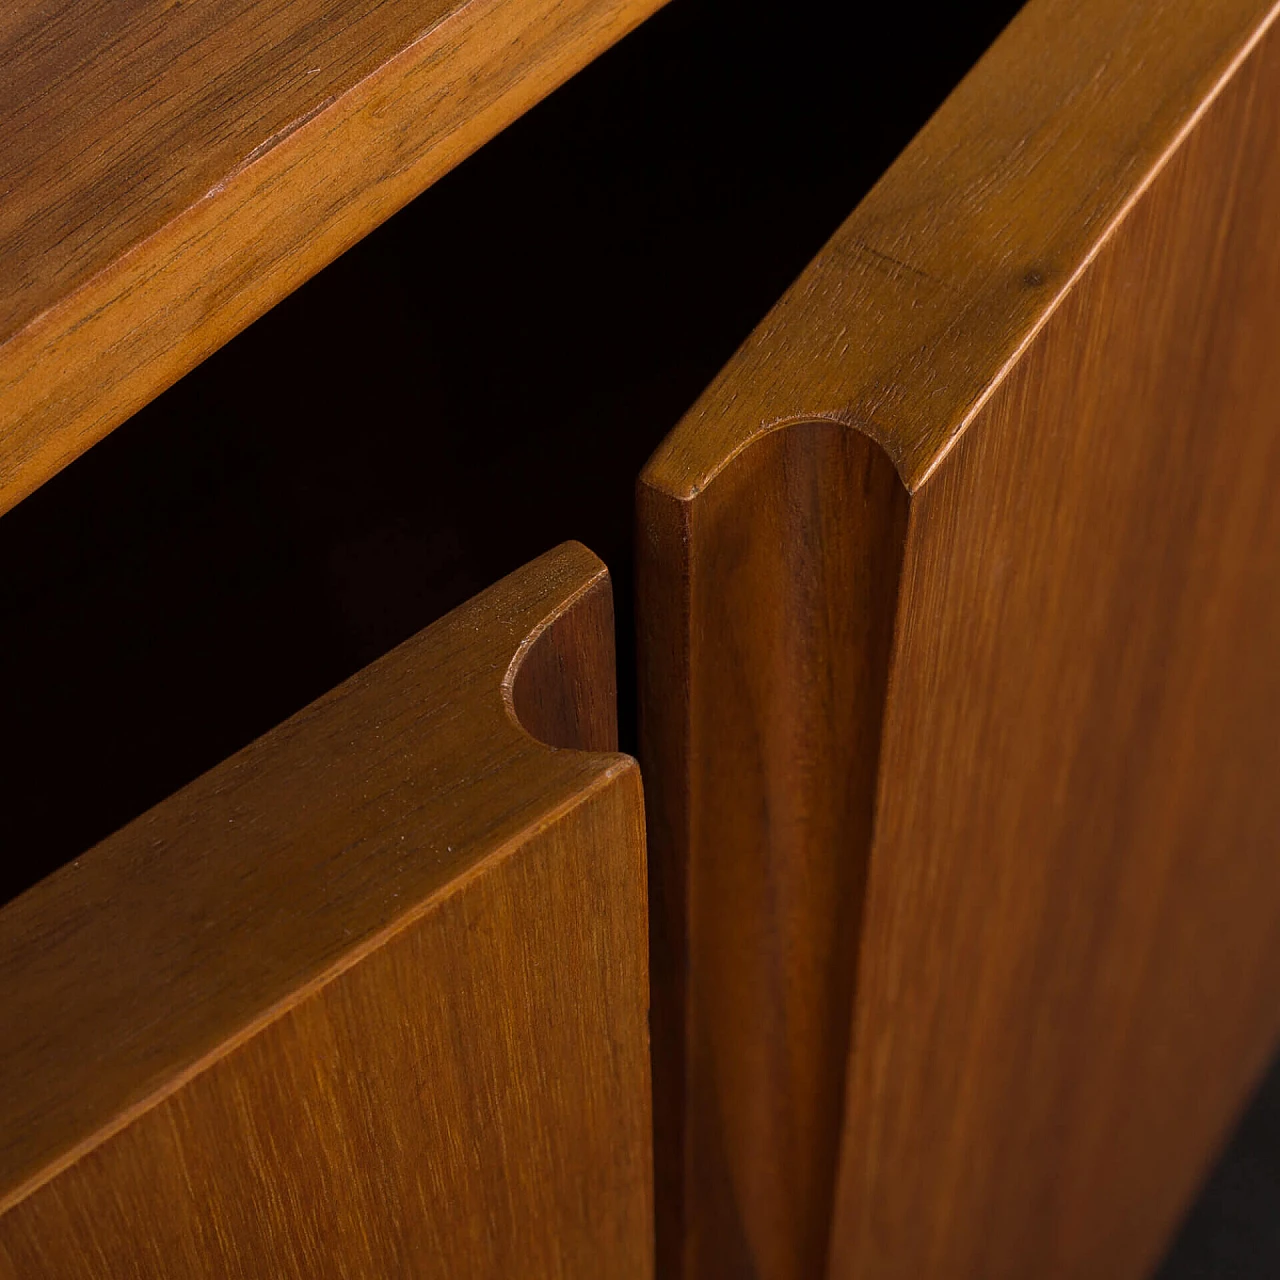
pixel 478 380
pixel 1233 1229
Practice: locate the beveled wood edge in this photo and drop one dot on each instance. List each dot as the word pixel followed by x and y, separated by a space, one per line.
pixel 80 368
pixel 928 295
pixel 577 579
pixel 681 643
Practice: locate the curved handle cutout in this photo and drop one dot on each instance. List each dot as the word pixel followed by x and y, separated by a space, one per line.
pixel 561 687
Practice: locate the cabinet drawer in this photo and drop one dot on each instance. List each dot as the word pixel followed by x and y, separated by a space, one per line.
pixel 370 994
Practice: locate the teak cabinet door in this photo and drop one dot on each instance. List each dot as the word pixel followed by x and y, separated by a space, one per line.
pixel 959 625
pixel 369 998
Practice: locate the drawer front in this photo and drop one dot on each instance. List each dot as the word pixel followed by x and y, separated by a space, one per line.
pixel 369 997
pixel 958 627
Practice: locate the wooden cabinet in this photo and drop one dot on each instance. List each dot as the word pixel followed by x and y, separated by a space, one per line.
pixel 956 611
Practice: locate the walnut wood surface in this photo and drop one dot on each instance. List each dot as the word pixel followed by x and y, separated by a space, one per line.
pixel 760 762
pixel 945 271
pixel 172 170
pixel 369 998
pixel 1056 318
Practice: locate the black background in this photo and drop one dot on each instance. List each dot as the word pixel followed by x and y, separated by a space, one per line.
pixel 478 380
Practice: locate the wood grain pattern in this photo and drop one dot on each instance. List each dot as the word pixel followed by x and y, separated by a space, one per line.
pixel 943 274
pixel 1056 318
pixel 172 170
pixel 1072 952
pixel 367 999
pixel 764 762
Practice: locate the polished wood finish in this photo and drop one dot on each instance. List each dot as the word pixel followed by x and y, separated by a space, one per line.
pixel 1072 951
pixel 171 171
pixel 367 998
pixel 944 273
pixel 762 764
pixel 1050 637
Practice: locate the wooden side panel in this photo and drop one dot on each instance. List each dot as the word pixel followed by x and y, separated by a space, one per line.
pixel 1071 967
pixel 760 736
pixel 369 999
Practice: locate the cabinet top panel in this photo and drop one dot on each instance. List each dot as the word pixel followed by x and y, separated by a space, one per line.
pixel 169 169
